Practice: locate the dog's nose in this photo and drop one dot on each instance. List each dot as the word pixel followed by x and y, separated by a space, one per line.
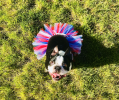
pixel 57 68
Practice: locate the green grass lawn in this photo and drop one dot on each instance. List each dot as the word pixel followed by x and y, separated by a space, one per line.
pixel 95 73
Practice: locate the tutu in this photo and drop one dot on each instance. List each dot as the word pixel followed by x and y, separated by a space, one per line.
pixel 41 40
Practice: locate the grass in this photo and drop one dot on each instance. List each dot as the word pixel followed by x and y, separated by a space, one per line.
pixel 95 73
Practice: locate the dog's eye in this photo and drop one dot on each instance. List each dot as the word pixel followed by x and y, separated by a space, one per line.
pixel 64 64
pixel 51 62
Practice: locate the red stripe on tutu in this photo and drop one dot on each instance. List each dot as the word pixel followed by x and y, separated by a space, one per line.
pixel 62 25
pixel 45 32
pixel 61 28
pixel 42 29
pixel 44 36
pixel 47 25
pixel 34 39
pixel 75 33
pixel 51 31
pixel 52 27
pixel 74 50
pixel 58 27
pixel 65 27
pixel 43 40
pixel 71 30
pixel 74 40
pixel 39 47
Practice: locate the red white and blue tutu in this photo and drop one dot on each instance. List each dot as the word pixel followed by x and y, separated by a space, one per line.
pixel 41 40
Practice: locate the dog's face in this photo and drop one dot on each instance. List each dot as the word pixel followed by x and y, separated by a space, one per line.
pixel 60 63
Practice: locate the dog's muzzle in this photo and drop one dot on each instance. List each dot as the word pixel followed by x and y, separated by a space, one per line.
pixel 56 76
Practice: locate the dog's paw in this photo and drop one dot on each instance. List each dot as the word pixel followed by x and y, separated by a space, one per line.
pixel 45 70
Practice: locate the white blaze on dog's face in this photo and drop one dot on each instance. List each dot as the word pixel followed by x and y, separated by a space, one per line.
pixel 59 65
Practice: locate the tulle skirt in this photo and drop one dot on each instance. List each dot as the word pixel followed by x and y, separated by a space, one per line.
pixel 41 40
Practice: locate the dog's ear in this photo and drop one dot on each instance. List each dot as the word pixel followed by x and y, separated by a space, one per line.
pixel 55 51
pixel 69 54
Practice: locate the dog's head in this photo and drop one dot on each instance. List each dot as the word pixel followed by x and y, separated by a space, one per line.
pixel 60 63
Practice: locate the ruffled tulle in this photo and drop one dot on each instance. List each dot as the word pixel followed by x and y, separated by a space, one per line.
pixel 41 40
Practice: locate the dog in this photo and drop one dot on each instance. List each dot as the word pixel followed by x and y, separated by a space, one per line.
pixel 59 43
pixel 58 57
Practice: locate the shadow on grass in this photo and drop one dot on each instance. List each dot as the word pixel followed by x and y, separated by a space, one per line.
pixel 95 54
pixel 39 19
pixel 64 16
pixel 31 4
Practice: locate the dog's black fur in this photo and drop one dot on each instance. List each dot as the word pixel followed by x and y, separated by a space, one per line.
pixel 62 43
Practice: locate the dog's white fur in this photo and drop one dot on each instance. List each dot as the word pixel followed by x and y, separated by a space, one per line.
pixel 58 62
pixel 55 51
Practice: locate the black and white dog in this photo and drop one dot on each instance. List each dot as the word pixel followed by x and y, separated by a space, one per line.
pixel 58 57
